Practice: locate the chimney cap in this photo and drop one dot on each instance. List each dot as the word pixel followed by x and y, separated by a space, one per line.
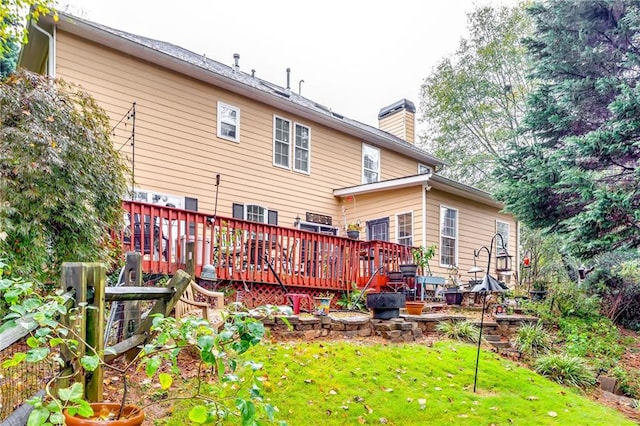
pixel 401 104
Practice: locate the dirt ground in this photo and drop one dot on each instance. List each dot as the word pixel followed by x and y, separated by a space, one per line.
pixel 140 389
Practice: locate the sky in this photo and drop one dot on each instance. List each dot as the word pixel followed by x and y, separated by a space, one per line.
pixel 355 56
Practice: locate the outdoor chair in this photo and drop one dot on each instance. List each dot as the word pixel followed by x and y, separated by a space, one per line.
pixel 198 301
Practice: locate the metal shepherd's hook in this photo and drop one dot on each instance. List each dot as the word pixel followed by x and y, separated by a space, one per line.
pixel 215 207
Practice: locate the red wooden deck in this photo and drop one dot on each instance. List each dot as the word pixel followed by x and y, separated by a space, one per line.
pixel 237 248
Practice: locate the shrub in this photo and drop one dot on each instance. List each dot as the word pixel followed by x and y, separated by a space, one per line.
pixel 565 369
pixel 628 381
pixel 594 338
pixel 460 330
pixel 354 300
pixel 61 179
pixel 532 339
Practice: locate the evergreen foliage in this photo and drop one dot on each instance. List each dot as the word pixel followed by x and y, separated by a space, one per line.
pixel 580 177
pixel 61 180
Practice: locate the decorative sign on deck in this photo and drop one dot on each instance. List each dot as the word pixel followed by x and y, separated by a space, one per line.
pixel 318 218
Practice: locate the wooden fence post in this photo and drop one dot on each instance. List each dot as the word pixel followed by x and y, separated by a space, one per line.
pixel 131 308
pixel 73 277
pixel 96 280
pixel 88 280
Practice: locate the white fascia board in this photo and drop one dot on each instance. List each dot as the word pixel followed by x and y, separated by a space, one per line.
pixel 386 185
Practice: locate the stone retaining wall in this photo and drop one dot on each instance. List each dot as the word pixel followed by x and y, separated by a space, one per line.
pixel 407 328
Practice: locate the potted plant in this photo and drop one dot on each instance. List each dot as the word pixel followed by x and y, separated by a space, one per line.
pixel 353 231
pixel 408 270
pixel 452 293
pixel 323 303
pixel 539 291
pixel 421 257
pixel 54 331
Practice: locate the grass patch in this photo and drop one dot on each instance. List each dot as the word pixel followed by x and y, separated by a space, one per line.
pixel 338 383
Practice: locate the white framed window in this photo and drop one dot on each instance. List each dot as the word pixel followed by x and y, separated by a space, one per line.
pixel 302 149
pixel 502 244
pixel 423 169
pixel 370 164
pixel 404 228
pixel 448 236
pixel 254 213
pixel 378 229
pixel 228 122
pixel 281 142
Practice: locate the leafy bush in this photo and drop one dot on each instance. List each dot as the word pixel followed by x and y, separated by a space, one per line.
pixel 618 284
pixel 565 369
pixel 597 338
pixel 61 178
pixel 572 300
pixel 532 339
pixel 353 299
pixel 628 381
pixel 460 330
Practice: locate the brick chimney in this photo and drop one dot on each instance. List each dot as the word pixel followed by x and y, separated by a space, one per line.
pixel 399 119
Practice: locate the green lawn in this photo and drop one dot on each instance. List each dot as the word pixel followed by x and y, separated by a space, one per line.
pixel 347 383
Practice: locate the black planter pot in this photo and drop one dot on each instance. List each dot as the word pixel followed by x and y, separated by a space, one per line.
pixel 409 270
pixel 453 297
pixel 538 294
pixel 385 305
pixel 395 275
pixel 354 235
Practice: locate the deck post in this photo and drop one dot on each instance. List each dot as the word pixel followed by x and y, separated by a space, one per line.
pixel 191 259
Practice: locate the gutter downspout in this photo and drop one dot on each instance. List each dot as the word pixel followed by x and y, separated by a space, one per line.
pixel 51 55
pixel 425 188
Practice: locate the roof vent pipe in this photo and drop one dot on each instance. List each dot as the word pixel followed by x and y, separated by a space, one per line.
pixel 288 80
pixel 253 73
pixel 236 60
pixel 300 87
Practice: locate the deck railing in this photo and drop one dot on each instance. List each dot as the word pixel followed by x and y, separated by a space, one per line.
pixel 237 249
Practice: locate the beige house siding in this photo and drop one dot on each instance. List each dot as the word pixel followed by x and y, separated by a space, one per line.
pixel 476 227
pixel 387 204
pixel 177 150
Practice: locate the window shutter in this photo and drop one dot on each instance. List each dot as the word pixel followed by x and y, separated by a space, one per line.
pixel 272 217
pixel 238 211
pixel 191 204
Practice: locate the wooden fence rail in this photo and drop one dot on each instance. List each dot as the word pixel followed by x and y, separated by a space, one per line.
pixel 86 295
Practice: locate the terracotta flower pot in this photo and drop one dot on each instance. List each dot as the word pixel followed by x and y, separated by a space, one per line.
pixel 414 308
pixel 131 416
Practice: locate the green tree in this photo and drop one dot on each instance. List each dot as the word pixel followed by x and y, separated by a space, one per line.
pixel 581 178
pixel 8 58
pixel 473 102
pixel 13 14
pixel 61 180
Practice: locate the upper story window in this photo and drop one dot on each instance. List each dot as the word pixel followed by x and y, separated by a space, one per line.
pixel 448 236
pixel 370 164
pixel 302 148
pixel 502 244
pixel 404 226
pixel 281 142
pixel 228 122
